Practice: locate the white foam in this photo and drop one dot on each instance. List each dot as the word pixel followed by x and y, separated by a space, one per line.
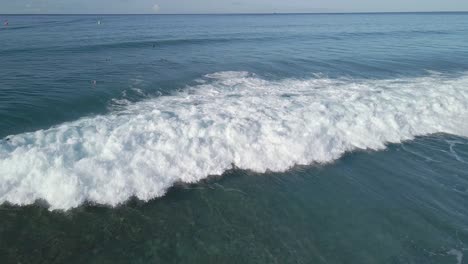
pixel 457 254
pixel 232 118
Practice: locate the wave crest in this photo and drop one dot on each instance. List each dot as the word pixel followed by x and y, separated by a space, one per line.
pixel 231 118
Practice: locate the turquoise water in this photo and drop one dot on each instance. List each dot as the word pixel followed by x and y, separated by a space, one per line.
pixel 338 138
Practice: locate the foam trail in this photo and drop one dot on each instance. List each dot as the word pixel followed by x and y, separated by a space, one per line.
pixel 232 118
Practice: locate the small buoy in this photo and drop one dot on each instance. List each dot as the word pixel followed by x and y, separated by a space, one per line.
pixel 99 22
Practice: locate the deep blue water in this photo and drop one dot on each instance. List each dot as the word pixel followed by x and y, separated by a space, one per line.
pixel 341 138
pixel 49 62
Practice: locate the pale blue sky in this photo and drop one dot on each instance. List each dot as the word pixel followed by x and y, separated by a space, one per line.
pixel 226 6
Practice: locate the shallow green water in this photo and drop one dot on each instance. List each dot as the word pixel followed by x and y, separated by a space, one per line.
pixel 357 210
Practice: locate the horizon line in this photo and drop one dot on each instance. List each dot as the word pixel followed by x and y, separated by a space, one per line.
pixel 246 13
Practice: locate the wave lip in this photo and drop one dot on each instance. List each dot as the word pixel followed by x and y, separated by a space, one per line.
pixel 231 118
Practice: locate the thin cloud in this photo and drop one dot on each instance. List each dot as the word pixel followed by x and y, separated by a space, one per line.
pixel 156 8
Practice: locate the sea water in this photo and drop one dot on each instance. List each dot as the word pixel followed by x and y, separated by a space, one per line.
pixel 339 138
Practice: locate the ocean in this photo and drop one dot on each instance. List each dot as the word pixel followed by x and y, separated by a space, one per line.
pixel 282 138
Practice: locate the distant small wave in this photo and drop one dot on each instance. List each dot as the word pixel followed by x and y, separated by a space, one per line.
pixel 162 43
pixel 157 43
pixel 231 118
pixel 410 33
pixel 15 28
pixel 151 43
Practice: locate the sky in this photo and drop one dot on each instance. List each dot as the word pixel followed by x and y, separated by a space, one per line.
pixel 224 6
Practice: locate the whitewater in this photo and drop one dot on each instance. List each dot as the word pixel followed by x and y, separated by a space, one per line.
pixel 228 119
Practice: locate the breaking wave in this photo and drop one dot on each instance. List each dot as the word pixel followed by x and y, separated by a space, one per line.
pixel 229 118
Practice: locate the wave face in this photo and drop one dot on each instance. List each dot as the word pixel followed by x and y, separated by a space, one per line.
pixel 229 118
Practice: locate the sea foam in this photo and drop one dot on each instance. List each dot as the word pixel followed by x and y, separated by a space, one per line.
pixel 230 118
